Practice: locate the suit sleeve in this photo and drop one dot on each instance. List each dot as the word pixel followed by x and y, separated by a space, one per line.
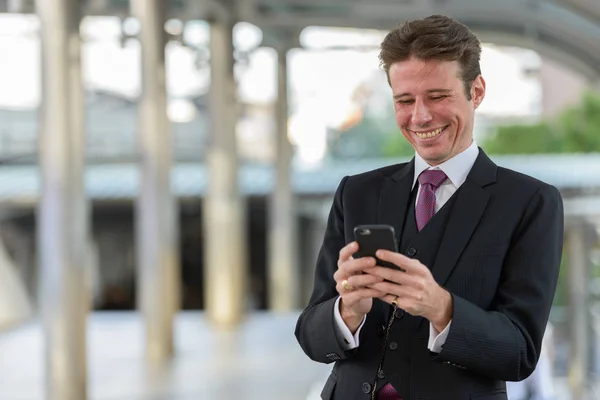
pixel 504 342
pixel 315 329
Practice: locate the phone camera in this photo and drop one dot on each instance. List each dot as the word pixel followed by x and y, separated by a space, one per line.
pixel 365 231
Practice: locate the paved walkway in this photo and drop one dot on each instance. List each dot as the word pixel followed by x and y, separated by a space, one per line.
pixel 261 360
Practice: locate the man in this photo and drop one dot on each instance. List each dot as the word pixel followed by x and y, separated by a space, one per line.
pixel 479 246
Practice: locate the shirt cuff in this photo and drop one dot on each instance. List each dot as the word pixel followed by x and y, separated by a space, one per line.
pixel 342 332
pixel 437 339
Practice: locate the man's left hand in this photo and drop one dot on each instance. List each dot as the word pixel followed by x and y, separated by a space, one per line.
pixel 414 289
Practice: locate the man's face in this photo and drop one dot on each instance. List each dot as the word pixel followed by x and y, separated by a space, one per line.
pixel 432 109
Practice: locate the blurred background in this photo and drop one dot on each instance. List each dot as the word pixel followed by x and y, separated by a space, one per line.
pixel 167 167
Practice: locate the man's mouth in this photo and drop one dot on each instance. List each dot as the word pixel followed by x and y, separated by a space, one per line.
pixel 430 134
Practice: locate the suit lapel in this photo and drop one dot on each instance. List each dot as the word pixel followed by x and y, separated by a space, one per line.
pixel 467 211
pixel 394 197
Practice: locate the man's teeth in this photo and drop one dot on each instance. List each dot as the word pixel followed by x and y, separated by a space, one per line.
pixel 426 135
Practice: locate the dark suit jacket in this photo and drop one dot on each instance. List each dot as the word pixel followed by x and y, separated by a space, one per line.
pixel 499 258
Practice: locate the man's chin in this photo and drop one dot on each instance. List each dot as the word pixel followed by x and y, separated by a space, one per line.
pixel 433 157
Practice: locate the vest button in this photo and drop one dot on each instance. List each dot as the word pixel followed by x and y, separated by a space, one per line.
pixel 398 313
pixel 366 388
pixel 380 330
pixel 411 251
pixel 393 346
pixel 380 374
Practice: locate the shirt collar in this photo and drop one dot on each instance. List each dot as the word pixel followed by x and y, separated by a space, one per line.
pixel 456 169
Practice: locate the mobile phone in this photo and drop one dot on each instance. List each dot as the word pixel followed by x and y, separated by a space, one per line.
pixel 371 238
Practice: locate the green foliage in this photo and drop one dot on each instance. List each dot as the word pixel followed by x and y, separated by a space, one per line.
pixel 396 145
pixel 581 126
pixel 370 139
pixel 523 139
pixel 361 141
pixel 575 130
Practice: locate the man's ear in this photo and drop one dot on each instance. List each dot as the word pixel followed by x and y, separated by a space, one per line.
pixel 478 91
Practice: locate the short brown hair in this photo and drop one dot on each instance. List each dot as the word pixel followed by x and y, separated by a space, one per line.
pixel 436 37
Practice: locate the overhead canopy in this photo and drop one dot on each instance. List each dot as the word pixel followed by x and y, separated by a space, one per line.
pixel 565 30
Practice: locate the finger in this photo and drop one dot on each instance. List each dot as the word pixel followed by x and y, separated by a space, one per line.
pixel 392 275
pixel 400 302
pixel 390 298
pixel 396 276
pixel 352 267
pixel 362 280
pixel 351 298
pixel 357 265
pixel 347 251
pixel 400 260
pixel 403 304
pixel 348 268
pixel 356 282
pixel 415 296
pixel 395 290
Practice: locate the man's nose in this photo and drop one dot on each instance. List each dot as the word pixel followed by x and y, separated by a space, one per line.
pixel 421 114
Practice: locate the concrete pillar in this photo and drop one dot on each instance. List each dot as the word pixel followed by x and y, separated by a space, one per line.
pixel 283 276
pixel 156 217
pixel 579 359
pixel 62 219
pixel 224 222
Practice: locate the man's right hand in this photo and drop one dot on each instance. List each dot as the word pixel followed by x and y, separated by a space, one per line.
pixel 357 298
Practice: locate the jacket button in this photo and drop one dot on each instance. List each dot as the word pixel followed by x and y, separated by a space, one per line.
pixel 398 313
pixel 380 374
pixel 366 388
pixel 411 251
pixel 393 346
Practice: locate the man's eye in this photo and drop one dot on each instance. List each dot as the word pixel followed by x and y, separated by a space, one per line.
pixel 438 98
pixel 405 101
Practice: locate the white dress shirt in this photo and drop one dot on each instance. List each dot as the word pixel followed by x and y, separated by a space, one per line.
pixel 456 169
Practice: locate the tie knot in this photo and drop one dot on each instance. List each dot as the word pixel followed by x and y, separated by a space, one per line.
pixel 433 177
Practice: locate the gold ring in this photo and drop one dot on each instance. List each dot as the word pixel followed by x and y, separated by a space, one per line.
pixel 395 301
pixel 346 285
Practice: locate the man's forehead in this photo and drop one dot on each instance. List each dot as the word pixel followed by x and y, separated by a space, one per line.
pixel 424 69
pixel 423 76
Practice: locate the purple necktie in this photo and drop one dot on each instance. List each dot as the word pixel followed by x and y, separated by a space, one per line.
pixel 429 180
pixel 387 393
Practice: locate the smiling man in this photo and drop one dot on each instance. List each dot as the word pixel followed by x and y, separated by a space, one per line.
pixel 479 246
